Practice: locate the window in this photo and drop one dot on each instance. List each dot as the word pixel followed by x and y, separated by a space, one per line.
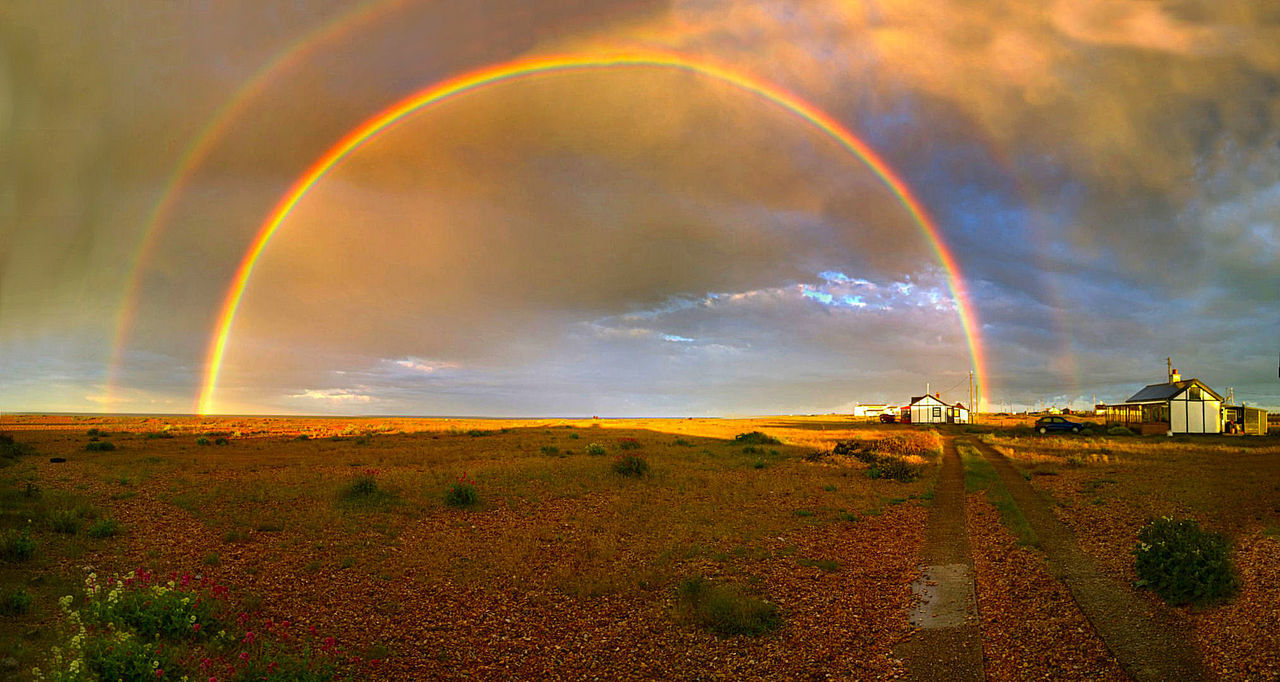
pixel 1193 393
pixel 937 413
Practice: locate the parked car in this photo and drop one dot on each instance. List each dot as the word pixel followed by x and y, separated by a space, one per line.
pixel 887 419
pixel 1047 424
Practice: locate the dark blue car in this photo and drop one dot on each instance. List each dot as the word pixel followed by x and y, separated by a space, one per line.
pixel 1047 424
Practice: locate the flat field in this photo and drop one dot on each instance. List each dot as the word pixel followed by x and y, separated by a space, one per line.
pixel 335 540
pixel 563 565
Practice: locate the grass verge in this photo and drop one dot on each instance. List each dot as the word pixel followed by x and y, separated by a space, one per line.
pixel 979 475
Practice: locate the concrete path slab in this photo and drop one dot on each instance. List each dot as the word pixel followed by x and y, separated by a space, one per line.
pixel 946 643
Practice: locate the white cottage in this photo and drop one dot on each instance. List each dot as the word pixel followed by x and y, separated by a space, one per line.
pixel 1175 406
pixel 930 409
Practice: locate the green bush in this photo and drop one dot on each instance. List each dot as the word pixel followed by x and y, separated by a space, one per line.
pixel 550 450
pixel 630 465
pixel 1118 430
pixel 756 438
pixel 574 436
pixel 724 610
pixel 595 449
pixel 95 433
pixel 152 435
pixel 1183 563
pixel 17 545
pixel 126 658
pixel 628 444
pixel 64 521
pixel 103 529
pixel 16 602
pixel 203 441
pixel 154 613
pixel 462 493
pixel 220 441
pixel 100 446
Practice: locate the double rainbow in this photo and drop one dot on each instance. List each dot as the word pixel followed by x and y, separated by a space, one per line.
pixel 533 67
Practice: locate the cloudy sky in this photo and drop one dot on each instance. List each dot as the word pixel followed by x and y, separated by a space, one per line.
pixel 636 241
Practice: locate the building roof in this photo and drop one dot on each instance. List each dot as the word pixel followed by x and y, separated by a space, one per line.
pixel 918 398
pixel 1165 391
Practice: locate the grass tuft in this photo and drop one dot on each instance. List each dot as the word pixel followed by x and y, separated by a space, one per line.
pixel 725 610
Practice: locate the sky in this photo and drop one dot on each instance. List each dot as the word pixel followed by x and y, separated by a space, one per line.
pixel 1103 177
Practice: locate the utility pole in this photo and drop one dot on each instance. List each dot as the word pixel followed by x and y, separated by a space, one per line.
pixel 973 408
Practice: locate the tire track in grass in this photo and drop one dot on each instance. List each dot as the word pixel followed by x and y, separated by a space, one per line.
pixel 1145 638
pixel 946 643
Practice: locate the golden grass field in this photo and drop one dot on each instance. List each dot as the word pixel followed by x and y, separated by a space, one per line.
pixel 566 568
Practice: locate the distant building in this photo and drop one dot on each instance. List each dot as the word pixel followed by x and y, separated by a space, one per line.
pixel 1175 406
pixel 873 409
pixel 931 409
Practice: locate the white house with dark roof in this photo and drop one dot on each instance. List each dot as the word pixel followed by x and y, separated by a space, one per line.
pixel 1175 406
pixel 931 409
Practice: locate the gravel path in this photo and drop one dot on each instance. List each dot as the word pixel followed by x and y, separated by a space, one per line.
pixel 1147 641
pixel 946 643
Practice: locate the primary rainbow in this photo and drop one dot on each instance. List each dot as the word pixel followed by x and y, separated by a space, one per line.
pixel 542 65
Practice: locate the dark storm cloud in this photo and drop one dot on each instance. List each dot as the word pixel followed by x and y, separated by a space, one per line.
pixel 1107 173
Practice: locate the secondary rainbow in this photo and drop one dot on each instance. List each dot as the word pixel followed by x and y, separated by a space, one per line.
pixel 552 64
pixel 214 130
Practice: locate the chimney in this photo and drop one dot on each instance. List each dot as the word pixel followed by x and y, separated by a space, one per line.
pixel 1174 377
pixel 938 395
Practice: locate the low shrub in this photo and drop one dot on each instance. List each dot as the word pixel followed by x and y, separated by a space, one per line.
pixel 860 450
pixel 628 444
pixel 753 450
pixel 15 602
pixel 152 435
pixel 574 436
pixel 595 449
pixel 1118 430
pixel 920 444
pixel 11 451
pixel 100 446
pixel 203 441
pixel 897 469
pixel 364 485
pixel 95 433
pixel 17 545
pixel 725 610
pixel 220 441
pixel 140 627
pixel 684 443
pixel 630 465
pixel 462 493
pixel 1184 563
pixel 64 521
pixel 1075 461
pixel 756 438
pixel 103 529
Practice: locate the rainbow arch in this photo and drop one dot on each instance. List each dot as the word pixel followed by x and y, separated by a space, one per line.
pixel 530 67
